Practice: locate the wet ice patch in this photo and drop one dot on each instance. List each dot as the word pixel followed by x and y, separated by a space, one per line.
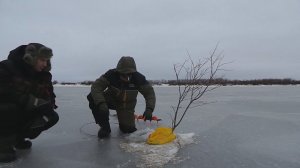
pixel 139 135
pixel 154 155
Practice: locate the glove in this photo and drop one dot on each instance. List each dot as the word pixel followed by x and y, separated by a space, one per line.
pixel 44 107
pixel 37 104
pixel 147 115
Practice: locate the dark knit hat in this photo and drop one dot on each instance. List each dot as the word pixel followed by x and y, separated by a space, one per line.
pixel 126 65
pixel 33 51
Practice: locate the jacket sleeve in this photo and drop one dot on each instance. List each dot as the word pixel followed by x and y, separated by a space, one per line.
pixel 4 82
pixel 53 96
pixel 51 89
pixel 97 89
pixel 8 91
pixel 148 92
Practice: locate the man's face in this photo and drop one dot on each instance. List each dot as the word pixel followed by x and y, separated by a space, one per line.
pixel 41 64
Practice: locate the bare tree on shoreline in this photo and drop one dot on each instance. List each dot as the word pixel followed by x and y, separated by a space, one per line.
pixel 188 74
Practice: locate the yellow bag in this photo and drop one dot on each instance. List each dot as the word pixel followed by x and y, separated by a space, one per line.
pixel 160 136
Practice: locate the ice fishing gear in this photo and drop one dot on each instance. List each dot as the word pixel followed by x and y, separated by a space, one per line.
pixel 141 117
pixel 161 135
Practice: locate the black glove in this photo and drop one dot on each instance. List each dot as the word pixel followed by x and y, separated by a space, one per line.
pixel 147 114
pixel 44 108
pixel 38 104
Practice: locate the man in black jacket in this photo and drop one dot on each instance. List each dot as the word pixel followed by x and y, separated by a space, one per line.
pixel 27 100
pixel 117 89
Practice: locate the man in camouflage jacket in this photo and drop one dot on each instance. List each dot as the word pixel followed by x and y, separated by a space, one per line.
pixel 27 100
pixel 117 89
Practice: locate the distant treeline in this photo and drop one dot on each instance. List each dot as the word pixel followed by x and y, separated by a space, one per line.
pixel 225 82
pixel 219 81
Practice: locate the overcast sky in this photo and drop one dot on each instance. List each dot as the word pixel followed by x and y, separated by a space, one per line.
pixel 261 38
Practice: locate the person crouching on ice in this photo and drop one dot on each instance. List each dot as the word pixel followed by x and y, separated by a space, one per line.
pixel 117 89
pixel 27 101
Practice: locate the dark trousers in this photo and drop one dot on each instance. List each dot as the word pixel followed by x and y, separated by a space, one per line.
pixel 101 118
pixel 39 123
pixel 125 113
pixel 15 121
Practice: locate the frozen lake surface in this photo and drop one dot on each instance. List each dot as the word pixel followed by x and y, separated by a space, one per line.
pixel 245 127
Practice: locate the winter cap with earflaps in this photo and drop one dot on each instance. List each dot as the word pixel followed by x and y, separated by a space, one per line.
pixel 126 65
pixel 33 51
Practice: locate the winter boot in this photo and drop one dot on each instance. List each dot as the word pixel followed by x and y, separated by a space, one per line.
pixel 7 154
pixel 7 151
pixel 127 129
pixel 23 144
pixel 105 130
pixel 103 133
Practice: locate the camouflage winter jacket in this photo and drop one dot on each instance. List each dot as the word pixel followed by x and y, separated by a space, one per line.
pixel 18 80
pixel 123 92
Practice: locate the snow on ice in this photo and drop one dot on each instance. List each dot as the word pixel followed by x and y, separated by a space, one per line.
pixel 155 155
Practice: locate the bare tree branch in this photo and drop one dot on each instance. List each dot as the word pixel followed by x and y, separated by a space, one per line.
pixel 194 79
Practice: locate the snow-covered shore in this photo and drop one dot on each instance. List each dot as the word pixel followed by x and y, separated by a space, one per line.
pixel 166 85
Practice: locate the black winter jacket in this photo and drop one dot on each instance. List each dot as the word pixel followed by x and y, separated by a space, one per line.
pixel 18 80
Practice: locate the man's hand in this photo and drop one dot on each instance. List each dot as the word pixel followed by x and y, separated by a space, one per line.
pixel 38 104
pixel 44 107
pixel 147 115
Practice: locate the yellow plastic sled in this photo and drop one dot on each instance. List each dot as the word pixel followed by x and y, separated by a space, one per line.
pixel 161 135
